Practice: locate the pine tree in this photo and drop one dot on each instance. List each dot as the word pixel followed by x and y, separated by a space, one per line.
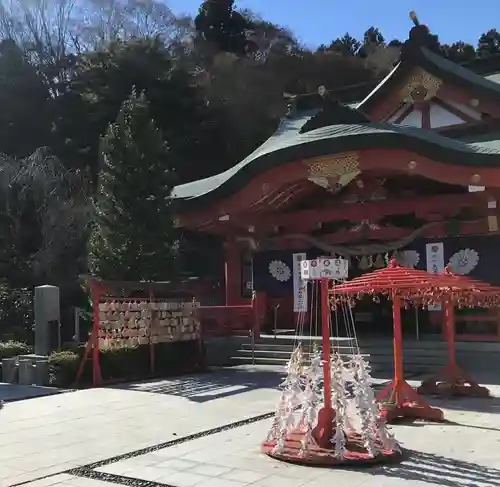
pixel 133 237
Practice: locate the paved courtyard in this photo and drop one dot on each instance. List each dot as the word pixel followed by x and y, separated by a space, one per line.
pixel 205 431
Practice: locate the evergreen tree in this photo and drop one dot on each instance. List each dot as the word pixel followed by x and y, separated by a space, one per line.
pixel 489 44
pixel 346 45
pixel 133 238
pixel 373 36
pixel 220 24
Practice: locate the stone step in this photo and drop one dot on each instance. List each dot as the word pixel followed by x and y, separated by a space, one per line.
pixel 417 355
pixel 374 351
pixel 286 348
pixel 345 343
pixel 376 368
pixel 280 354
pixel 409 343
pixel 259 361
pixel 373 359
pixel 425 355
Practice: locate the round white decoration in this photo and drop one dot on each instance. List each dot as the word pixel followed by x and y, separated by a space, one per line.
pixel 464 261
pixel 279 270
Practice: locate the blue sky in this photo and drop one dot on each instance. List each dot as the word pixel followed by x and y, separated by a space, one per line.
pixel 319 21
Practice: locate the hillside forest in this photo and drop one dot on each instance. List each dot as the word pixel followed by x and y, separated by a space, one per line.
pixel 106 105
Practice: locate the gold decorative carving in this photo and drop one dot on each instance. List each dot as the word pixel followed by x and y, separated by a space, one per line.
pixel 421 86
pixel 333 166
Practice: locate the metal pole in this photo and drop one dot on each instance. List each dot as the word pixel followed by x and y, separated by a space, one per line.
pixel 275 319
pixel 77 325
pixel 252 332
pixel 59 338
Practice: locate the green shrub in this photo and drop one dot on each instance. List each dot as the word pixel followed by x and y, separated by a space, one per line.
pixel 12 349
pixel 63 367
pixel 124 362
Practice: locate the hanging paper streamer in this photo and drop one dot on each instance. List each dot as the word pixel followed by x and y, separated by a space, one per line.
pixel 327 413
pixel 434 253
pixel 299 284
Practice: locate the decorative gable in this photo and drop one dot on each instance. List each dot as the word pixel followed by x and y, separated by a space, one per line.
pixel 434 114
pixel 408 115
pixel 445 114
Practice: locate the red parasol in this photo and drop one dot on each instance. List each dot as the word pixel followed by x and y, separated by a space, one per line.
pixel 451 379
pixel 420 287
pixel 404 284
pixel 460 279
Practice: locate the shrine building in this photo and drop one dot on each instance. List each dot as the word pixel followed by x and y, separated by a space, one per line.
pixel 411 170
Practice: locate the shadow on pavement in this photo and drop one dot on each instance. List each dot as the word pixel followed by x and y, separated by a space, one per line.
pixel 231 381
pixel 438 470
pixel 18 392
pixel 212 385
pixel 481 405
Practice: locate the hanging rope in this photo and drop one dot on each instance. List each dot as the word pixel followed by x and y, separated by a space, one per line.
pixel 359 250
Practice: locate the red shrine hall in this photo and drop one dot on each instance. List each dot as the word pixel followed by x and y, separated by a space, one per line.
pixel 409 169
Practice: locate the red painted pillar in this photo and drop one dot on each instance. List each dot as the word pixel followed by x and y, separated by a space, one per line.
pixel 325 343
pixel 449 323
pixel 232 256
pixel 397 346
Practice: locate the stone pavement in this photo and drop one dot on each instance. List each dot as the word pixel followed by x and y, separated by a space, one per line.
pixel 205 431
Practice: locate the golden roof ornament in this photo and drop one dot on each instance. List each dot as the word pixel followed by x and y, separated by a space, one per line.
pixel 420 35
pixel 414 18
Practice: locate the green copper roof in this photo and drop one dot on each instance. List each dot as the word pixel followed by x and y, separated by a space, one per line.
pixel 325 135
pixel 483 138
pixel 438 66
pixel 288 129
pixel 288 145
pixel 449 69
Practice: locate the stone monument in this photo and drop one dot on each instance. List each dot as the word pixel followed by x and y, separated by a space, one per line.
pixel 47 318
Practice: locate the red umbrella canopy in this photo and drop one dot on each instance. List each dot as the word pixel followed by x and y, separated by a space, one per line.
pixel 483 287
pixel 419 287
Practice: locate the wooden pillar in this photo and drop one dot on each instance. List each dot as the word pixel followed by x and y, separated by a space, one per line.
pixel 232 258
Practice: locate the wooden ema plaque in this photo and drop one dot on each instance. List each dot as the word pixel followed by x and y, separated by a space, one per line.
pixel 133 322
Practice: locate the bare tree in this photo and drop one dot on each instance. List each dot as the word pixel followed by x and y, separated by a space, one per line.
pixel 101 21
pixel 40 192
pixel 52 29
pixel 42 27
pixel 267 39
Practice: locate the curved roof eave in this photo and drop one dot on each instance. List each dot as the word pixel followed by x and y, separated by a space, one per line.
pixel 289 127
pixel 331 140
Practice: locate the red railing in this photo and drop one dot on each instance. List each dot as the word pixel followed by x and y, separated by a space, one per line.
pixel 232 320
